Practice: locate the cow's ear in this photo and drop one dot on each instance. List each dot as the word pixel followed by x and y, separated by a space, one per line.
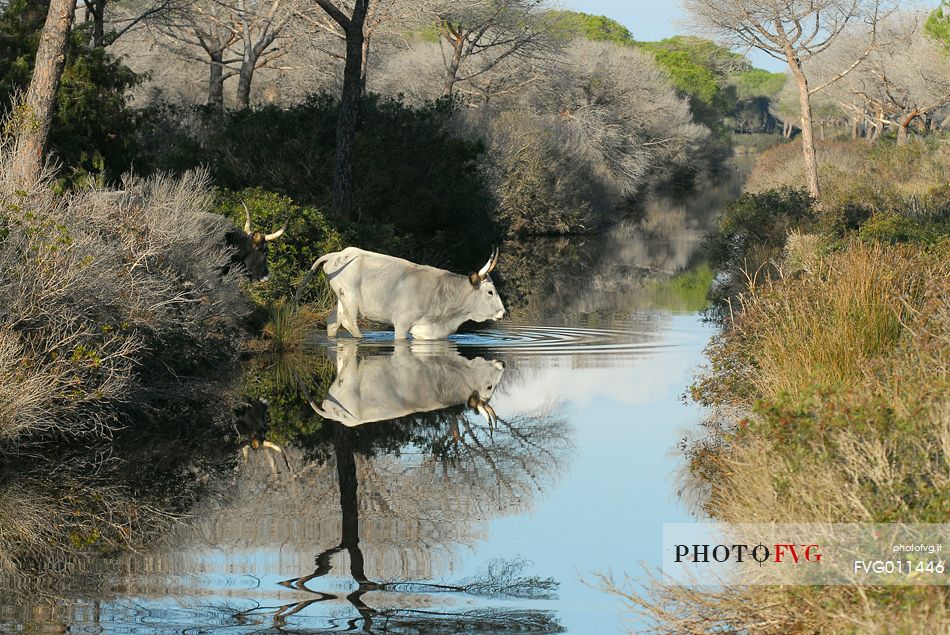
pixel 475 279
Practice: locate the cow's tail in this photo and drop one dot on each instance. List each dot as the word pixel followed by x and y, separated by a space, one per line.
pixel 313 269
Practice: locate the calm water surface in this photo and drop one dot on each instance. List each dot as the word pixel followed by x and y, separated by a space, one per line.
pixel 471 485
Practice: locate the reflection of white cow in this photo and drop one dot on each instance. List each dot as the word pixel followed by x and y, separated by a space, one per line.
pixel 411 379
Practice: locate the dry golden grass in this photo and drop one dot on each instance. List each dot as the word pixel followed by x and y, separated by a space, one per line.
pixel 823 329
pixel 289 327
pixel 872 172
pixel 841 380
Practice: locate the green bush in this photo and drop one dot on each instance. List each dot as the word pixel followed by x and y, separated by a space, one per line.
pixel 890 227
pixel 753 228
pixel 309 235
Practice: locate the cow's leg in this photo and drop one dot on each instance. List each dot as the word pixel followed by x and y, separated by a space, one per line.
pixel 401 330
pixel 333 322
pixel 348 315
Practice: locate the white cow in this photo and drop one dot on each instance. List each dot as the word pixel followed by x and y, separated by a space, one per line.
pixel 411 380
pixel 426 302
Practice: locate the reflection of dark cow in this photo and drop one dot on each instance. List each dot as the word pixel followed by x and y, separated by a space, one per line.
pixel 251 422
pixel 417 378
pixel 426 302
pixel 250 248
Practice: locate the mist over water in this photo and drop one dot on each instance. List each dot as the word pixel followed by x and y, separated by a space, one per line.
pixel 468 485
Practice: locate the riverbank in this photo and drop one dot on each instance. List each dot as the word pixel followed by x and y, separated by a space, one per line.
pixel 829 385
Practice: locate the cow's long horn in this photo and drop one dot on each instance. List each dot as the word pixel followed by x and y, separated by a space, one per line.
pixel 277 234
pixel 492 261
pixel 276 448
pixel 247 218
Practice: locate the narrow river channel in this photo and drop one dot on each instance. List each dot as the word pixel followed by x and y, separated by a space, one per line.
pixel 475 485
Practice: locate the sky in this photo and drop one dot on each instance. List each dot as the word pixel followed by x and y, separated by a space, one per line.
pixel 657 19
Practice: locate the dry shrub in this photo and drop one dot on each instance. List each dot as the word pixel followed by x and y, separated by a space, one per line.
pixel 680 610
pixel 109 299
pixel 803 252
pixel 879 175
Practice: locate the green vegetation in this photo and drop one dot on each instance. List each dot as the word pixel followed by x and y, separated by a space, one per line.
pixel 752 232
pixel 597 28
pixel 700 70
pixel 756 82
pixel 937 25
pixel 725 92
pixel 308 236
pixel 93 130
pixel 685 292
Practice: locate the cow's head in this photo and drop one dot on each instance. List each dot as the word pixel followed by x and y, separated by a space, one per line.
pixel 487 304
pixel 251 248
pixel 487 374
pixel 252 423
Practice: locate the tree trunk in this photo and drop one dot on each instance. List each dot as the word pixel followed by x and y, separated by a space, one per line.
pixel 855 127
pixel 216 81
pixel 349 113
pixel 97 9
pixel 808 141
pixel 246 76
pixel 905 123
pixel 452 69
pixel 364 60
pixel 878 125
pixel 41 96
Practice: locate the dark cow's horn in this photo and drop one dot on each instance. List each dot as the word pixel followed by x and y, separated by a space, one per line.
pixel 247 218
pixel 277 234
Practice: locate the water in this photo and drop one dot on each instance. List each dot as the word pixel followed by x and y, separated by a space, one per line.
pixel 475 485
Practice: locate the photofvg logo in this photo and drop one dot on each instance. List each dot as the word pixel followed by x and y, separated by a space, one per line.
pixel 777 553
pixel 699 554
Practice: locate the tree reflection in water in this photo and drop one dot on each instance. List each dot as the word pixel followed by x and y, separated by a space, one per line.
pixel 173 506
pixel 422 480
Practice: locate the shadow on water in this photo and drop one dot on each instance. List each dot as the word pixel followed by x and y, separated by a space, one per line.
pixel 361 484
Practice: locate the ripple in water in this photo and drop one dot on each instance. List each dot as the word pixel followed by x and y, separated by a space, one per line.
pixel 533 340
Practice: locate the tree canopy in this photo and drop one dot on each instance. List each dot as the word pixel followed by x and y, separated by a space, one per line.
pixel 598 28
pixel 937 25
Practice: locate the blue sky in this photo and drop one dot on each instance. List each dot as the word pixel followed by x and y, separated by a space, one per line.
pixel 657 19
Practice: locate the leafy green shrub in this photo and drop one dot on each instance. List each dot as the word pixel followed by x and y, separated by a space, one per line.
pixel 309 235
pixel 890 227
pixel 753 228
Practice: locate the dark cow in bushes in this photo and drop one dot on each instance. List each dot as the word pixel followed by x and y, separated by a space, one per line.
pixel 250 248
